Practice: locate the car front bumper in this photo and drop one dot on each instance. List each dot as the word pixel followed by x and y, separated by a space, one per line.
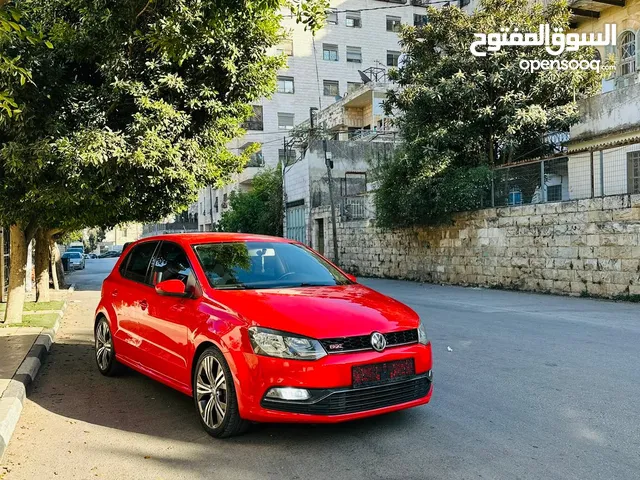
pixel 329 381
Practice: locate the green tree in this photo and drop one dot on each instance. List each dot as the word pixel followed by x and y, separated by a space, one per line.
pixel 259 210
pixel 460 115
pixel 12 72
pixel 130 112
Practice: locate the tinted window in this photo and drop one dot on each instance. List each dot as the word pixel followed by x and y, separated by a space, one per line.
pixel 265 265
pixel 137 262
pixel 72 255
pixel 171 263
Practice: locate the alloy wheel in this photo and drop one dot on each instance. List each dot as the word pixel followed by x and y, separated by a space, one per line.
pixel 211 392
pixel 104 346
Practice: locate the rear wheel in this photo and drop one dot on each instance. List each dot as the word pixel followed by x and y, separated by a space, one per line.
pixel 105 354
pixel 215 396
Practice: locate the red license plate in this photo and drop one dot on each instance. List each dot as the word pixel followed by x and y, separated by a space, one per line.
pixel 377 373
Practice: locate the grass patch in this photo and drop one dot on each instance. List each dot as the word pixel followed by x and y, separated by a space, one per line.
pixel 44 320
pixel 37 307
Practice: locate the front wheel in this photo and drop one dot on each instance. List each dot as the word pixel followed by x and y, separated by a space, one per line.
pixel 215 396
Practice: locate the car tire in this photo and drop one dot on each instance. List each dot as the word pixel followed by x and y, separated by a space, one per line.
pixel 214 395
pixel 105 354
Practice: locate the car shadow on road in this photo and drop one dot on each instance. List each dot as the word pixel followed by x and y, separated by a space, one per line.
pixel 70 385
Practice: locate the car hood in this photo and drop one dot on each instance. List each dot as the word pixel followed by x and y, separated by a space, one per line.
pixel 321 312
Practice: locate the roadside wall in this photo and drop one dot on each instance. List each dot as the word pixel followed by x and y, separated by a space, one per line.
pixel 577 247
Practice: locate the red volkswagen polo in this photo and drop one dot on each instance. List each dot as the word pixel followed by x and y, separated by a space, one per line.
pixel 259 329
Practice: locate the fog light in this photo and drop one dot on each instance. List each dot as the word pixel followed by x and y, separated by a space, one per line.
pixel 288 393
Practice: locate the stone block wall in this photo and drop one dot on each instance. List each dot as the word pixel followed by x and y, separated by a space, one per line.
pixel 578 247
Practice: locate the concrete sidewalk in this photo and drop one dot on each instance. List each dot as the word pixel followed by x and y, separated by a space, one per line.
pixel 22 351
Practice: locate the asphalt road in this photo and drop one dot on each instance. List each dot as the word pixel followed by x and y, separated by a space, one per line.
pixel 535 387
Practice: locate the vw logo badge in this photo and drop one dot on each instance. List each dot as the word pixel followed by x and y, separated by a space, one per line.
pixel 378 342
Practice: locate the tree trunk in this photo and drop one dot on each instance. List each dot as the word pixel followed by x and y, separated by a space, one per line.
pixel 42 266
pixel 57 265
pixel 17 275
pixel 53 249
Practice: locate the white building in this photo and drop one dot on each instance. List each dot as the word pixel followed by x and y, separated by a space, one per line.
pixel 354 149
pixel 359 34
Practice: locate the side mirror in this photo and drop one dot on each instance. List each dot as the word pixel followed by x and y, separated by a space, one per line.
pixel 352 278
pixel 172 288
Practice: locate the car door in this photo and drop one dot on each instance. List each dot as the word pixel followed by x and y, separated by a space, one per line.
pixel 171 318
pixel 129 296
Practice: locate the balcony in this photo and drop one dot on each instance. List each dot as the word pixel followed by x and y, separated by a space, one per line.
pixel 582 10
pixel 609 114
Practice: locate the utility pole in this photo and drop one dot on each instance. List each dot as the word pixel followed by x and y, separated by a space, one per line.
pixel 329 163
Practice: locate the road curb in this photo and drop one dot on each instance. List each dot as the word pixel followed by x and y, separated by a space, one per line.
pixel 12 399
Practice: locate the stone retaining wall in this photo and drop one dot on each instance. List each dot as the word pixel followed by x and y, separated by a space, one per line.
pixel 589 247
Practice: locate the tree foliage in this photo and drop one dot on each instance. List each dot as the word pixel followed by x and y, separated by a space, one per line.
pixel 259 210
pixel 130 111
pixel 460 114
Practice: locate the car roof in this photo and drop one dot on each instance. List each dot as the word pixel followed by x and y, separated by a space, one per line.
pixel 217 237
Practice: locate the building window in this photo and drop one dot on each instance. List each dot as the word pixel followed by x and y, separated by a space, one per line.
pixel 393 24
pixel 354 54
pixel 289 158
pixel 554 193
pixel 627 53
pixel 352 86
pixel 330 52
pixel 216 206
pixel 420 20
pixel 332 16
pixel 255 121
pixel 331 88
pixel 285 47
pixel 256 160
pixel 285 85
pixel 285 121
pixel 392 58
pixel 224 201
pixel 633 159
pixel 353 20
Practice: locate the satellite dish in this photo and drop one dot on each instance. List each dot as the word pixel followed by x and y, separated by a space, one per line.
pixel 364 77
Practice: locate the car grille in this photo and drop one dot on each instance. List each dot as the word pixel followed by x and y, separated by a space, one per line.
pixel 363 342
pixel 358 399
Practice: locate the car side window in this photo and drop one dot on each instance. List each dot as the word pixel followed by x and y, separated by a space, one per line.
pixel 171 263
pixel 137 262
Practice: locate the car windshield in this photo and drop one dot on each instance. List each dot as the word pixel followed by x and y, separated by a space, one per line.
pixel 243 265
pixel 72 255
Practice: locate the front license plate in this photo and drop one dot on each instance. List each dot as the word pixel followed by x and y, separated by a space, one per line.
pixel 377 373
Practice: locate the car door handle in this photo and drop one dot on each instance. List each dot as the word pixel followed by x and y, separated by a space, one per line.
pixel 144 304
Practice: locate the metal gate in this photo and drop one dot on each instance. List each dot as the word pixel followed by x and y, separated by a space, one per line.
pixel 296 225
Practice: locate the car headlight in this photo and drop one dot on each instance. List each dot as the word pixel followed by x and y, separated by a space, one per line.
pixel 422 334
pixel 274 343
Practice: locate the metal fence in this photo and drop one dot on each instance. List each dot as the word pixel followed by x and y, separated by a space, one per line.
pixel 587 174
pixel 163 228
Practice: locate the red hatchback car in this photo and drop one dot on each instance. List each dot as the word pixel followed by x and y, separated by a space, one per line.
pixel 259 329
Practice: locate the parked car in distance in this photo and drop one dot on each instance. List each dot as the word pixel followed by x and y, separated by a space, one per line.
pixel 259 329
pixel 92 255
pixel 76 260
pixel 109 254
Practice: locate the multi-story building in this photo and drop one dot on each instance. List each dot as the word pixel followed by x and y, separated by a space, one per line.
pixel 321 69
pixel 352 148
pixel 604 150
